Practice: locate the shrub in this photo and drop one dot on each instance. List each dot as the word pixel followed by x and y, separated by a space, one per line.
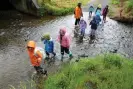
pixel 115 2
pixel 112 60
pixel 93 74
pixel 129 5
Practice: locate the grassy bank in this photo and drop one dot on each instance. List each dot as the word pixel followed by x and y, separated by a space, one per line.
pixel 59 7
pixel 121 10
pixel 110 71
pixel 102 72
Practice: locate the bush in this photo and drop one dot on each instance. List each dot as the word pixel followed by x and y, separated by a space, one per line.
pixel 93 74
pixel 111 60
pixel 58 7
pixel 53 10
pixel 129 5
pixel 115 2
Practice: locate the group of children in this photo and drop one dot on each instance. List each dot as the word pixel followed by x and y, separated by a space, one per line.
pixel 63 38
pixel 94 23
pixel 97 18
pixel 36 57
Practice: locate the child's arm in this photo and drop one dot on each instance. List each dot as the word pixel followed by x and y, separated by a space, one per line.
pixel 52 46
pixel 39 57
pixel 90 23
pixel 44 41
pixel 58 38
pixel 68 41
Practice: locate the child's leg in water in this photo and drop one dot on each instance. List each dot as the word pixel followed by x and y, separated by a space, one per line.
pixel 92 34
pixel 39 69
pixel 62 53
pixel 54 53
pixel 68 52
pixel 47 54
pixel 83 32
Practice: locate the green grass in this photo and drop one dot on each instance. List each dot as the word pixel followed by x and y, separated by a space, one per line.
pixel 115 2
pixel 109 71
pixel 58 7
pixel 102 72
pixel 111 12
pixel 129 5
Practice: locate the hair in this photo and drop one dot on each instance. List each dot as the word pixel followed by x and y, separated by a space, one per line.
pixel 79 4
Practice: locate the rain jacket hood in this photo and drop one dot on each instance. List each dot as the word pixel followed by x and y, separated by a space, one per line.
pixel 62 30
pixel 64 39
pixel 31 44
pixel 35 58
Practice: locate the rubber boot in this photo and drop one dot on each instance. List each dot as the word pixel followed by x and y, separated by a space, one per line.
pixel 70 55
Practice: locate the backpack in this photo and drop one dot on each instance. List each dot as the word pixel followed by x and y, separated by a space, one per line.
pixel 41 51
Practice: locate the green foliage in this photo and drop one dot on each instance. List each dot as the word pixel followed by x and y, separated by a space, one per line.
pixel 115 2
pixel 103 72
pixel 57 7
pixel 53 10
pixel 25 85
pixel 110 61
pixel 129 5
pixel 109 71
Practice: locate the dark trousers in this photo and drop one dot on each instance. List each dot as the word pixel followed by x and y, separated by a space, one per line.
pixel 77 21
pixel 38 69
pixel 104 18
pixel 49 54
pixel 64 49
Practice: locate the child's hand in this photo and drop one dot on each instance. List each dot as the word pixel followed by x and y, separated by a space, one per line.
pixel 39 60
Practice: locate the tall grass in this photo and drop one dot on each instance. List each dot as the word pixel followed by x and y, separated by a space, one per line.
pixel 103 72
pixel 59 7
pixel 115 2
pixel 109 71
pixel 129 5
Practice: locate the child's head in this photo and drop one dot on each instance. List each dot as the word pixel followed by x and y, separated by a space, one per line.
pixel 46 37
pixel 107 6
pixel 99 6
pixel 79 4
pixel 62 31
pixel 31 46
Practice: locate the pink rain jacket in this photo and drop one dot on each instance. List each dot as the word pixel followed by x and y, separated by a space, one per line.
pixel 66 38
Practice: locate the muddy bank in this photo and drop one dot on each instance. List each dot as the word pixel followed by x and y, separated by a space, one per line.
pixel 120 13
pixel 123 19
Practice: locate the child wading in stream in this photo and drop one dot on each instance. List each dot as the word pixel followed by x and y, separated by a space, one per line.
pixel 93 24
pixel 36 57
pixel 105 12
pixel 64 40
pixel 91 9
pixel 83 26
pixel 49 46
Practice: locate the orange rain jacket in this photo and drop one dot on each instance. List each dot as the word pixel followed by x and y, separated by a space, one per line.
pixel 35 58
pixel 78 12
